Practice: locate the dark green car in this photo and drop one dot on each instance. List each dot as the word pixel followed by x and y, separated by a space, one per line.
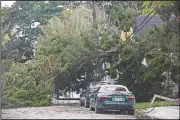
pixel 112 97
pixel 85 95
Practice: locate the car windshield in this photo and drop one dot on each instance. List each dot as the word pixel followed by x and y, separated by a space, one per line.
pixel 92 85
pixel 103 83
pixel 98 83
pixel 113 89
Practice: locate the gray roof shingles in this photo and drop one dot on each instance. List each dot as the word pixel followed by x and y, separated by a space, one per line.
pixel 155 20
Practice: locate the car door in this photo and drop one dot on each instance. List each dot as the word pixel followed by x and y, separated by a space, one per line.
pixel 95 96
pixel 92 99
pixel 82 95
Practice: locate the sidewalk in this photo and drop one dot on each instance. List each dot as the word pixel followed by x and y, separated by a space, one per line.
pixel 169 112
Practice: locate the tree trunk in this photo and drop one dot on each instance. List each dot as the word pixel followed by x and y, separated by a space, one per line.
pixel 94 12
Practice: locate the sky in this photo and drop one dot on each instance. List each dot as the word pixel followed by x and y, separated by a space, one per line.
pixel 7 3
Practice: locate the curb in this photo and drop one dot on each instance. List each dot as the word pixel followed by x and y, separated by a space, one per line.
pixel 139 114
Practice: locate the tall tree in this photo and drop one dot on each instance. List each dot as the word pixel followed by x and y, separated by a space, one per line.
pixel 21 20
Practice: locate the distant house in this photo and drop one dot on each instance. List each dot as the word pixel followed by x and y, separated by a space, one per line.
pixel 155 20
pixel 125 35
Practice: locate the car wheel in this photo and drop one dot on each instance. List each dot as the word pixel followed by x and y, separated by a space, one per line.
pixel 131 112
pixel 91 108
pixel 97 110
pixel 86 104
pixel 80 103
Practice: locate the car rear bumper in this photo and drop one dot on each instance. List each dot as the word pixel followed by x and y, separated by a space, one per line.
pixel 116 106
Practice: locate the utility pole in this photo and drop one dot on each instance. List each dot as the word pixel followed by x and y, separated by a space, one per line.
pixel 93 7
pixel 85 74
pixel 94 12
pixel 0 63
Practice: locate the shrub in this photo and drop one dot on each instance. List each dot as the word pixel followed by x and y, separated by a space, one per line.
pixel 19 89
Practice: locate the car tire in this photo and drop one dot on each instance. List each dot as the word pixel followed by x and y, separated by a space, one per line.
pixel 97 110
pixel 131 112
pixel 80 103
pixel 91 108
pixel 86 104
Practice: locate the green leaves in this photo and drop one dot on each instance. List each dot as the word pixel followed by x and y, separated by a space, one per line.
pixel 20 89
pixel 68 46
pixel 21 18
pixel 123 13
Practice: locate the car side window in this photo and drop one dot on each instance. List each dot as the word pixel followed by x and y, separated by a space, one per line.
pixel 120 89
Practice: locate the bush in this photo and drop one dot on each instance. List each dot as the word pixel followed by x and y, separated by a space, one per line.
pixel 41 103
pixel 44 103
pixel 13 102
pixel 19 89
pixel 35 104
pixel 28 103
pixel 21 94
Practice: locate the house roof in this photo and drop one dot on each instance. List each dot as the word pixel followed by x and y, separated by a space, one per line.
pixel 155 20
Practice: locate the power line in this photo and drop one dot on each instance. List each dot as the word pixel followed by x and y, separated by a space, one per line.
pixel 138 76
pixel 145 18
pixel 144 56
pixel 137 31
pixel 164 92
pixel 141 24
pixel 120 47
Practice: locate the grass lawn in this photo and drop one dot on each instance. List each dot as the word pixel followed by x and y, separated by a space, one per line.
pixel 145 105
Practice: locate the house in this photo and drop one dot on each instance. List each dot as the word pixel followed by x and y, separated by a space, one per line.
pixel 125 35
pixel 155 20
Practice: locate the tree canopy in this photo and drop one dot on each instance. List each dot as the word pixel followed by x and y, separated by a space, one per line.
pixel 75 42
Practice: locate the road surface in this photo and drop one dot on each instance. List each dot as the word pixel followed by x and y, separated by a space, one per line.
pixel 70 111
pixel 169 112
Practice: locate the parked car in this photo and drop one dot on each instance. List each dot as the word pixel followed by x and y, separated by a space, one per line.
pixel 112 97
pixel 84 96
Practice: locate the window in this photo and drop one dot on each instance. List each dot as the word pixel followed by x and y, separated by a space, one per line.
pixel 112 89
pixel 120 89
